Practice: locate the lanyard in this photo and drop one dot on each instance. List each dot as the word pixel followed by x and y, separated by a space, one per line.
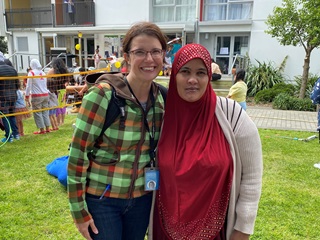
pixel 153 129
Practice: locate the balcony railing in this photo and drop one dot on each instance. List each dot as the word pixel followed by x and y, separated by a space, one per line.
pixel 83 14
pixel 29 18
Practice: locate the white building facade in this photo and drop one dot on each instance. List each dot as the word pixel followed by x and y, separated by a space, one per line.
pixel 230 29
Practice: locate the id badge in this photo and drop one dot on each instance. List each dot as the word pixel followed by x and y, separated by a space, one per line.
pixel 151 179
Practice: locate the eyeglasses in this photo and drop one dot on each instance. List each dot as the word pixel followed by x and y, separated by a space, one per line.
pixel 155 53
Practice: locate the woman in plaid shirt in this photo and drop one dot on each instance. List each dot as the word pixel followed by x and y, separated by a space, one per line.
pixel 106 186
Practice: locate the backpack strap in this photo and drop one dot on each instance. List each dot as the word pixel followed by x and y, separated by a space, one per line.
pixel 116 107
pixel 163 91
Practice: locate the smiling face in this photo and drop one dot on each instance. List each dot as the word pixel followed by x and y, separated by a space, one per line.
pixel 192 80
pixel 144 68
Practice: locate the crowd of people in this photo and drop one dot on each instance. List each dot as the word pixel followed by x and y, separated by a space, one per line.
pixel 37 92
pixel 184 164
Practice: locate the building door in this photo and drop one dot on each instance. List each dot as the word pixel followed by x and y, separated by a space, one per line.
pixel 87 51
pixel 48 44
pixel 231 51
pixel 223 53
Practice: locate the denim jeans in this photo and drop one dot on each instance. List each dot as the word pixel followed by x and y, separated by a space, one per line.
pixel 243 105
pixel 9 122
pixel 120 219
pixel 13 126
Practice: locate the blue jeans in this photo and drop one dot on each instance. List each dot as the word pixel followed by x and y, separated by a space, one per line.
pixel 120 219
pixel 13 125
pixel 243 105
pixel 9 122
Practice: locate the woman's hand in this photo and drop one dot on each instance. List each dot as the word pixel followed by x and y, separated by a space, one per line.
pixel 83 228
pixel 236 235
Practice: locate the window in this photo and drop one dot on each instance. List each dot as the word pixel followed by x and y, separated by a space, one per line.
pixel 174 10
pixel 22 44
pixel 241 45
pixel 227 10
pixel 239 11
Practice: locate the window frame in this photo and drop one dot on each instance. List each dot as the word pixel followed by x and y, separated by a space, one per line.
pixel 228 5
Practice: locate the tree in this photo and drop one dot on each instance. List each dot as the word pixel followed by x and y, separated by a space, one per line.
pixel 296 23
pixel 3 45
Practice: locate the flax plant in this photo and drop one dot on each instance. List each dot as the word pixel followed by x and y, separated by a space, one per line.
pixel 264 76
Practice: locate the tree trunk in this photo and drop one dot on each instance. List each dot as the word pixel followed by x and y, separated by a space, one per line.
pixel 305 74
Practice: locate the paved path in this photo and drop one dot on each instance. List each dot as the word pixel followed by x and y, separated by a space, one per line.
pixel 268 118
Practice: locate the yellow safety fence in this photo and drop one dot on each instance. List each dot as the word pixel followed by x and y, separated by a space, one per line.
pixel 70 89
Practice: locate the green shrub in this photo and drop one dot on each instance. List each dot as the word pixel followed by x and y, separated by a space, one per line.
pixel 267 95
pixel 263 76
pixel 264 96
pixel 284 101
pixel 284 87
pixel 311 81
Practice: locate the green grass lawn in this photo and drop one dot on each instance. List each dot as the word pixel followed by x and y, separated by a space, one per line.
pixel 34 205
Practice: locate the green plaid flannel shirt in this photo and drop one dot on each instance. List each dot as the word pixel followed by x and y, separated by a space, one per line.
pixel 121 157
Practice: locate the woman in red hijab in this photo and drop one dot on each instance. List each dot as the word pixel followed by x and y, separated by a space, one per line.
pixel 209 157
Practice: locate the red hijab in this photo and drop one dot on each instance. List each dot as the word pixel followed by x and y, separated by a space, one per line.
pixel 194 160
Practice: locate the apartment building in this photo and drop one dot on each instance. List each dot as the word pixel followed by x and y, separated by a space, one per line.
pixel 230 29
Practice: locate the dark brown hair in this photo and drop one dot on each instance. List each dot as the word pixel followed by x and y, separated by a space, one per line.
pixel 240 75
pixel 146 28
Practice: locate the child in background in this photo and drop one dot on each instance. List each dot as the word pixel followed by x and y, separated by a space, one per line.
pixel 53 102
pixel 21 107
pixel 80 81
pixel 96 58
pixel 60 83
pixel 26 79
pixel 238 91
pixel 168 63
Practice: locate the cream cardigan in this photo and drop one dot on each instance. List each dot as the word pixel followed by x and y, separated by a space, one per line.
pixel 245 146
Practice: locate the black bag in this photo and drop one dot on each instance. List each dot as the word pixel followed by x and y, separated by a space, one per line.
pixel 215 76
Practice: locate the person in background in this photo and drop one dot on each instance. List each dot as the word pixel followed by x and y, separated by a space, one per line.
pixel 21 107
pixel 124 67
pixel 238 90
pixel 113 58
pixel 315 98
pixel 26 79
pixel 70 10
pixel 80 81
pixel 106 179
pixel 53 102
pixel 37 89
pixel 216 72
pixel 96 57
pixel 8 98
pixel 175 47
pixel 209 158
pixel 60 83
pixel 168 63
